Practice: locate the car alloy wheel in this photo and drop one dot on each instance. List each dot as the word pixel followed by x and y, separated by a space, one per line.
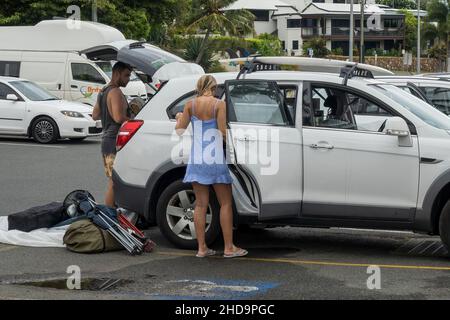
pixel 180 215
pixel 44 131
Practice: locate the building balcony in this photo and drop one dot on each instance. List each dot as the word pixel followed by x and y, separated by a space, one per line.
pixel 342 33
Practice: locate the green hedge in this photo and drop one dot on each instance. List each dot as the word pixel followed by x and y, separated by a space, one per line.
pixel 266 45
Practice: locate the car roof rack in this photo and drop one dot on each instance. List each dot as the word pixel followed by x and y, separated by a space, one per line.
pixel 254 65
pixel 346 69
pixel 349 72
pixel 137 44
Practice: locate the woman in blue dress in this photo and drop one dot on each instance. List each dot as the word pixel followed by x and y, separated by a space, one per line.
pixel 207 165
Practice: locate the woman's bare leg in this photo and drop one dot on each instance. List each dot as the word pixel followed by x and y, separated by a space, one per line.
pixel 224 195
pixel 201 206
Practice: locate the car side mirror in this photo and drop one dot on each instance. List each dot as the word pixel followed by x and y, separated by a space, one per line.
pixel 12 97
pixel 396 126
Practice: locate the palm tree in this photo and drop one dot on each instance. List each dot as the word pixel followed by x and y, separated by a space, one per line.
pixel 439 12
pixel 210 16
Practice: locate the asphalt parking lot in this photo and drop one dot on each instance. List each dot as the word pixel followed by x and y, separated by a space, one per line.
pixel 284 263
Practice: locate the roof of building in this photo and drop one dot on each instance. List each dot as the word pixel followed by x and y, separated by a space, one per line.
pixel 286 11
pixel 256 5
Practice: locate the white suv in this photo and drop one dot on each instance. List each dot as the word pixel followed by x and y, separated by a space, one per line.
pixel 388 168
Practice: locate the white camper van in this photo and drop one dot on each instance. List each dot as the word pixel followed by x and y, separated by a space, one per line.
pixel 49 54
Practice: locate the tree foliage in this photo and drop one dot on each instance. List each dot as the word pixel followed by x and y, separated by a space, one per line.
pixel 208 15
pixel 399 4
pixel 132 17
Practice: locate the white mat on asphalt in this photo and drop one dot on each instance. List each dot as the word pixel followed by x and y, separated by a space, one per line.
pixel 37 238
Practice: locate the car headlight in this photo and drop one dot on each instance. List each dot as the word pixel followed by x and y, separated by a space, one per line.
pixel 72 114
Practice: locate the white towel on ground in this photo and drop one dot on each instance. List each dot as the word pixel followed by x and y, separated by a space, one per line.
pixel 4 224
pixel 37 238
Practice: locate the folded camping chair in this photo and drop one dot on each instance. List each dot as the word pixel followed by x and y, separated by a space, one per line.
pixel 107 219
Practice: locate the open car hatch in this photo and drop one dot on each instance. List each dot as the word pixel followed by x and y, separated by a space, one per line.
pixel 145 58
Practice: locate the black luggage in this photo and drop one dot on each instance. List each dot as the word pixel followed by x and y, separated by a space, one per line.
pixel 45 216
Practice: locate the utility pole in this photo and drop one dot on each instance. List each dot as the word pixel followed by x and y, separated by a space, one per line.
pixel 418 36
pixel 352 28
pixel 94 10
pixel 361 41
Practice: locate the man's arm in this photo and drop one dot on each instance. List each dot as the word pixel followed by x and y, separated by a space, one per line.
pixel 96 112
pixel 118 107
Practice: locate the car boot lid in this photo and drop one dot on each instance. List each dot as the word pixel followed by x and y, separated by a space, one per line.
pixel 145 58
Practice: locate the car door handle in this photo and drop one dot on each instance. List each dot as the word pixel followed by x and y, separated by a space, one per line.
pixel 74 86
pixel 322 146
pixel 245 138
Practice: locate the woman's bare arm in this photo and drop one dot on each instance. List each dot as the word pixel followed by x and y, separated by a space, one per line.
pixel 222 119
pixel 183 119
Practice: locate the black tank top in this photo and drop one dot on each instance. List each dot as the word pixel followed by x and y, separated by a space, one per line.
pixel 110 127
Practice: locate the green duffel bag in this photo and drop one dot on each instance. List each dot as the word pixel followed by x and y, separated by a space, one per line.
pixel 84 236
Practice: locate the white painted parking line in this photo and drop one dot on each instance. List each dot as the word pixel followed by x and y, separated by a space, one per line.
pixel 31 145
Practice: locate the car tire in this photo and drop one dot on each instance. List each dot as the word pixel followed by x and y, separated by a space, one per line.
pixel 177 223
pixel 44 130
pixel 444 226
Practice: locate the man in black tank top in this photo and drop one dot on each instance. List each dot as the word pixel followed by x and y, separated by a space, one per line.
pixel 111 108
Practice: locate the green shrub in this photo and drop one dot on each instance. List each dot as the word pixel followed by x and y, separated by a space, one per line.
pixel 337 51
pixel 193 45
pixel 319 46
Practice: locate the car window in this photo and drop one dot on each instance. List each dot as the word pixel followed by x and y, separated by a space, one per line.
pixel 290 98
pixel 257 102
pixel 107 67
pixel 32 91
pixel 10 69
pixel 86 72
pixel 5 90
pixel 439 97
pixel 178 105
pixel 416 106
pixel 341 109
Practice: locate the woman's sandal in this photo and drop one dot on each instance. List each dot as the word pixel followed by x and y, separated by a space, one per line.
pixel 209 252
pixel 237 253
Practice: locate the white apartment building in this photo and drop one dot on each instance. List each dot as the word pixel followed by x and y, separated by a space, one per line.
pixel 295 21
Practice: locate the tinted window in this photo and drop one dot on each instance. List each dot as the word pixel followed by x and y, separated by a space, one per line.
pixel 86 72
pixel 9 69
pixel 257 102
pixel 5 90
pixel 290 98
pixel 340 109
pixel 439 97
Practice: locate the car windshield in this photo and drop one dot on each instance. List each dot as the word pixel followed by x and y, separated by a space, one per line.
pixel 106 67
pixel 418 107
pixel 32 91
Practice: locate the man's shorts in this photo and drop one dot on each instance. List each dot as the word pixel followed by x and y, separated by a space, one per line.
pixel 108 162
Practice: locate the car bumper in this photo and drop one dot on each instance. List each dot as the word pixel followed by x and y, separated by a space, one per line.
pixel 79 128
pixel 131 197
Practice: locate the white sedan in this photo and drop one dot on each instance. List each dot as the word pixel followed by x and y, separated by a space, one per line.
pixel 27 109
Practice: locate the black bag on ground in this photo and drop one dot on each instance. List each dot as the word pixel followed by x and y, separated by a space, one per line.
pixel 84 236
pixel 45 216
